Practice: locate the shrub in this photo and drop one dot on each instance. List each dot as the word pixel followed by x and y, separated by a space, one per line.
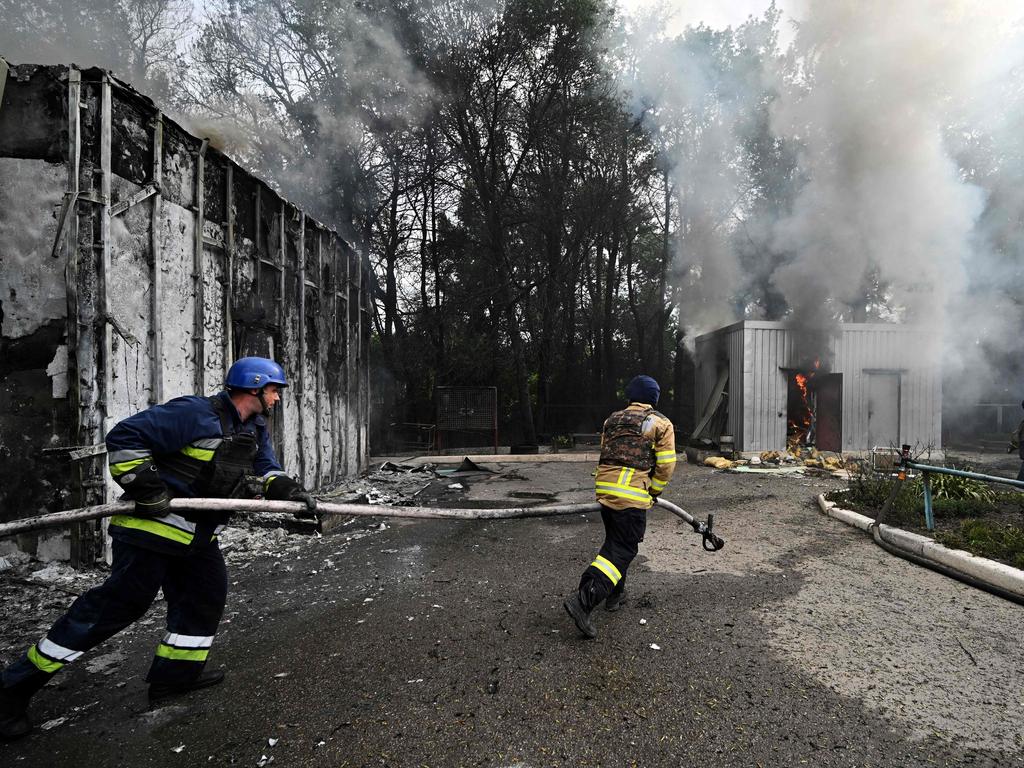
pixel 868 491
pixel 995 541
pixel 952 497
pixel 955 487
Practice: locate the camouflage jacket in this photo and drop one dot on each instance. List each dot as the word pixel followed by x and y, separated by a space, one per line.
pixel 638 456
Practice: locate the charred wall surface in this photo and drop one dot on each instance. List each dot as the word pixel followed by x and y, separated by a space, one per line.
pixel 136 262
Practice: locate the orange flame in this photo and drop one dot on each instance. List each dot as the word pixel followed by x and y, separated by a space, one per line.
pixel 801 428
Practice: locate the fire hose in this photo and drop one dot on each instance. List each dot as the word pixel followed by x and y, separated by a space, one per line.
pixel 711 541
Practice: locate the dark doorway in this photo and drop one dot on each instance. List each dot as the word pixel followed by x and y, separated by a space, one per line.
pixel 814 402
pixel 830 412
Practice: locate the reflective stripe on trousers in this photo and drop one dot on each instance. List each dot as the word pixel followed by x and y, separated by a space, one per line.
pixel 195 586
pixel 623 531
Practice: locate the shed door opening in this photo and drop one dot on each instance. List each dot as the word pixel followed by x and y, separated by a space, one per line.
pixel 883 409
pixel 814 403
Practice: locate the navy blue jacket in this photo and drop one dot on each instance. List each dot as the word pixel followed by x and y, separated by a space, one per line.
pixel 185 431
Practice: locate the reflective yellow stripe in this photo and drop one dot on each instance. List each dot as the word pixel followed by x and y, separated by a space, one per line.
pixel 628 492
pixel 629 477
pixel 41 662
pixel 665 457
pixel 622 476
pixel 607 567
pixel 116 470
pixel 200 454
pixel 268 481
pixel 152 526
pixel 658 484
pixel 181 654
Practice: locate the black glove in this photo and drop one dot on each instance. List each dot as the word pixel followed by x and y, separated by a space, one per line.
pixel 144 485
pixel 153 507
pixel 284 488
pixel 301 494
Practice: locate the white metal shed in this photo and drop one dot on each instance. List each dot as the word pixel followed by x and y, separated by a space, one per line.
pixel 876 385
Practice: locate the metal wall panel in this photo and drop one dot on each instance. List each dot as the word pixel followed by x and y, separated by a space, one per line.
pixel 907 351
pixel 768 350
pixel 738 375
pixel 759 351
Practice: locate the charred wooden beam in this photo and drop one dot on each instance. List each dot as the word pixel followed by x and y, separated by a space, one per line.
pixel 156 394
pixel 199 322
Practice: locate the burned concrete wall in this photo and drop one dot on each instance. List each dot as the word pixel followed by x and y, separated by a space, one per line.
pixel 136 262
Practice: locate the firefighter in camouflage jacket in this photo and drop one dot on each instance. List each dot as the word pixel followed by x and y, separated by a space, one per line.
pixel 638 455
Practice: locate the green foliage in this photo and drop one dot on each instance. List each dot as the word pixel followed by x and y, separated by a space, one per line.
pixel 961 488
pixel 953 497
pixel 995 541
pixel 868 492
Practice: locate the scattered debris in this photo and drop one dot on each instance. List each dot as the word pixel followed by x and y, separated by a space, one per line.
pixel 55 573
pixel 391 484
pixel 643 622
pixel 272 741
pixel 264 760
pixel 764 470
pixel 467 467
pixel 456 486
pixel 53 723
pixel 106 664
pixel 655 647
pixel 178 748
pixel 35 594
pixel 718 462
pixel 389 466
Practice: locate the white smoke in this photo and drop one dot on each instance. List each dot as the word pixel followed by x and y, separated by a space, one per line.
pixel 908 119
pixel 886 196
pixel 699 104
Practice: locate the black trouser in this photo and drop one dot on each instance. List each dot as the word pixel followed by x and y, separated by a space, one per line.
pixel 195 586
pixel 623 532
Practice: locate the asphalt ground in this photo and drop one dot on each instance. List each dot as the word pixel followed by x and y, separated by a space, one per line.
pixel 439 643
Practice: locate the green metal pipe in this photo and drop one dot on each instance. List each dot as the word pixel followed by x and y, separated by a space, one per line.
pixel 929 516
pixel 964 473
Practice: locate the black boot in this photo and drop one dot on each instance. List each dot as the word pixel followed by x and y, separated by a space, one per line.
pixel 14 722
pixel 574 607
pixel 614 601
pixel 160 691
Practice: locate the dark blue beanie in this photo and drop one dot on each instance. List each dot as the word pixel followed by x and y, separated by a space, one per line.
pixel 643 389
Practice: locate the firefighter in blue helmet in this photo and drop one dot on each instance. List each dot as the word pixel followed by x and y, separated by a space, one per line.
pixel 188 447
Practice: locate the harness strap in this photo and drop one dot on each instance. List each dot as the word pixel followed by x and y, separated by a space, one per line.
pixel 222 415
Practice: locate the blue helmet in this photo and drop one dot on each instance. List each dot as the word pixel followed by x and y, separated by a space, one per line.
pixel 643 389
pixel 254 373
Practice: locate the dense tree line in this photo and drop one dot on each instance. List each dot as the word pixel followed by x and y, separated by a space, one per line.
pixel 543 189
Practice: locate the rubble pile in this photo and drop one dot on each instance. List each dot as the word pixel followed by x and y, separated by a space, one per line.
pixel 792 461
pixel 390 484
